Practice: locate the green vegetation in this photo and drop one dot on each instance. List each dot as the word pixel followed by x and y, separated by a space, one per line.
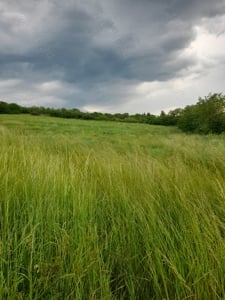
pixel 74 113
pixel 207 116
pixel 102 210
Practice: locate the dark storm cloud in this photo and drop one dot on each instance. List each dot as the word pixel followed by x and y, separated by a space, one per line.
pixel 89 43
pixel 197 8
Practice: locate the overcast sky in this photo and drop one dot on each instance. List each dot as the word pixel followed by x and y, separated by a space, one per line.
pixel 111 55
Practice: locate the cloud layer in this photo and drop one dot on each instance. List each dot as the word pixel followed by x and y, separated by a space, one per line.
pixel 111 55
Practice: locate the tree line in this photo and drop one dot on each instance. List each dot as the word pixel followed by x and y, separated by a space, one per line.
pixel 206 116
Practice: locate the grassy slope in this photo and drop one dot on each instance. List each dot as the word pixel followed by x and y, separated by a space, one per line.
pixel 100 210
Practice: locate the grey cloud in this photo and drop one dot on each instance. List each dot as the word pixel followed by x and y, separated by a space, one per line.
pixel 89 44
pixel 197 8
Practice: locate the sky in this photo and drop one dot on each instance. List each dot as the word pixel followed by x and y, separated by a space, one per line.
pixel 132 56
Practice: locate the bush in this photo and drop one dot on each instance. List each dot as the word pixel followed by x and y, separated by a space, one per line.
pixel 207 116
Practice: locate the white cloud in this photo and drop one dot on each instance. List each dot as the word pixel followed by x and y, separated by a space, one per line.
pixel 25 92
pixel 9 83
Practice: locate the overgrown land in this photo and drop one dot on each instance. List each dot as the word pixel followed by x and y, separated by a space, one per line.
pixel 108 210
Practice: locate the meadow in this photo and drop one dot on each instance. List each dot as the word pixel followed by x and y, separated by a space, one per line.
pixel 105 210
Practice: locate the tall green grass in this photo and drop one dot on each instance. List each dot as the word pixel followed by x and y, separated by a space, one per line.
pixel 110 211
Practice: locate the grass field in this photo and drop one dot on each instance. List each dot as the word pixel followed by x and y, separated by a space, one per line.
pixel 100 210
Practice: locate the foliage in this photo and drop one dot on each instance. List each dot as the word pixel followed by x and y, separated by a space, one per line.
pixel 207 116
pixel 74 113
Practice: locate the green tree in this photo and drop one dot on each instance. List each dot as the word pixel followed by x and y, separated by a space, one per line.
pixel 212 114
pixel 207 116
pixel 4 107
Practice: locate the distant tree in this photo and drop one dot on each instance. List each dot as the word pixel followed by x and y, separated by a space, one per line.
pixel 14 108
pixel 174 116
pixel 164 119
pixel 212 113
pixel 4 107
pixel 189 120
pixel 151 119
pixel 35 110
pixel 207 116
